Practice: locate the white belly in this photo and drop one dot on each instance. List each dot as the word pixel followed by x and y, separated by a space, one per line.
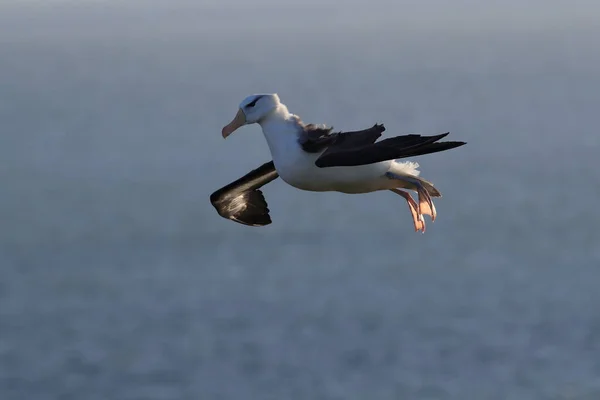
pixel 301 172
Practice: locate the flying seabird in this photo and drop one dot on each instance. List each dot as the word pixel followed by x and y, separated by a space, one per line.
pixel 314 158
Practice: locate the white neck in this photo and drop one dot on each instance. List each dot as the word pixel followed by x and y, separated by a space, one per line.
pixel 280 129
pixel 278 114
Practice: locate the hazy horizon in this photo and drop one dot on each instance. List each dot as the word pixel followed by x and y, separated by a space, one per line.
pixel 376 14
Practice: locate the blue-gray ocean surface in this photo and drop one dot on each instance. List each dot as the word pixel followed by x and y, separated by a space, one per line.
pixel 118 280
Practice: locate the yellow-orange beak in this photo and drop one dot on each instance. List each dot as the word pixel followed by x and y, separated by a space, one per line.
pixel 238 120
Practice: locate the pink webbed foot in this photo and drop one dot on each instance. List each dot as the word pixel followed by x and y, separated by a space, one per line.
pixel 426 206
pixel 418 220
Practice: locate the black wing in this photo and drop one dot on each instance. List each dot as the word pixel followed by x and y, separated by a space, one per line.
pixel 242 201
pixel 388 149
pixel 315 139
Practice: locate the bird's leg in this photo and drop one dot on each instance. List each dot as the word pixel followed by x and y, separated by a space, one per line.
pixel 417 217
pixel 425 205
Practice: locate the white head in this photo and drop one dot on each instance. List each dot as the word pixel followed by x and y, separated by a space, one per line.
pixel 253 109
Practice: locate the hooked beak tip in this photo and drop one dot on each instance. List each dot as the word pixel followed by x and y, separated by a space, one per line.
pixel 238 120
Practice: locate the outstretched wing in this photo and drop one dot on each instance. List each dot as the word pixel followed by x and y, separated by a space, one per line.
pixel 361 147
pixel 242 201
pixel 388 149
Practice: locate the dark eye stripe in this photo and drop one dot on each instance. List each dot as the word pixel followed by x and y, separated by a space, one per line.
pixel 253 102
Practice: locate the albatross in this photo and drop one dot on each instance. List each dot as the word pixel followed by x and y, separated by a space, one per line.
pixel 313 157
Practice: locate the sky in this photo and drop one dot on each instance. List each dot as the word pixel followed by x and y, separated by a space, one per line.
pixel 421 13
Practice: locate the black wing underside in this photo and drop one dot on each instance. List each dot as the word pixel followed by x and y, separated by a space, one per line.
pixel 360 147
pixel 242 201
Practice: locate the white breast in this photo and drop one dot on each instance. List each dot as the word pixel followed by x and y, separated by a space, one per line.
pixel 294 165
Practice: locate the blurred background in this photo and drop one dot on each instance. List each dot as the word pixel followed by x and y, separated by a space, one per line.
pixel 118 280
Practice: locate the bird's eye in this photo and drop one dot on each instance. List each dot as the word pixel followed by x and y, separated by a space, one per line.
pixel 253 102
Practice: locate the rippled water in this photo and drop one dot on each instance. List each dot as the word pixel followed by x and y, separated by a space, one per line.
pixel 119 280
